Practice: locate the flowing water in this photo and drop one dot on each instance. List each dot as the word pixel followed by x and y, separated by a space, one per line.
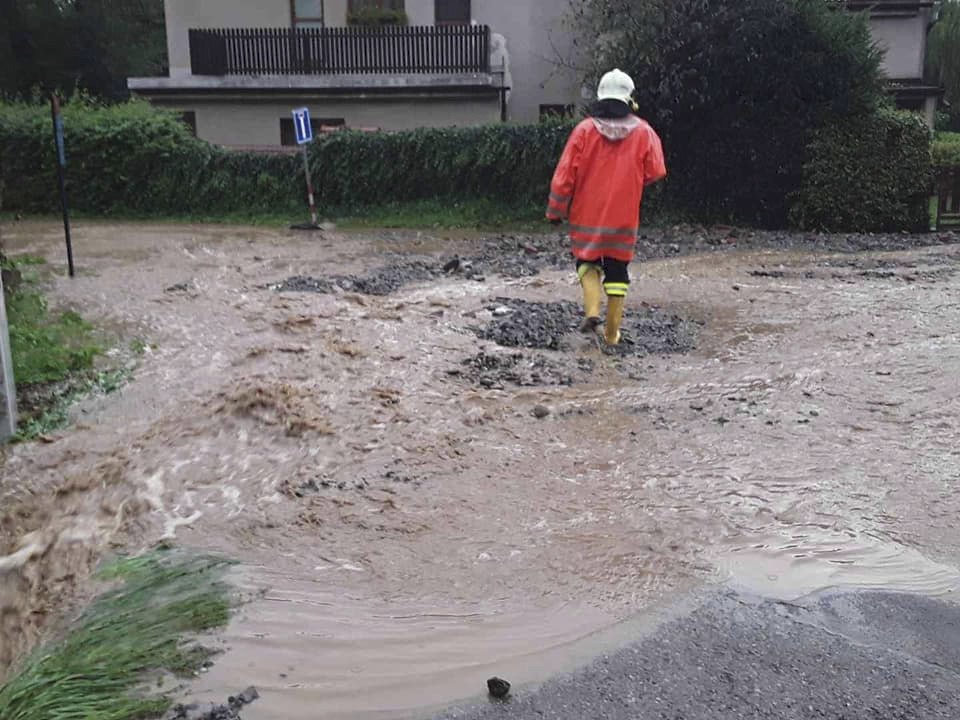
pixel 406 533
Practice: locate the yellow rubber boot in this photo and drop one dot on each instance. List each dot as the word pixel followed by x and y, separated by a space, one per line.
pixel 614 318
pixel 592 296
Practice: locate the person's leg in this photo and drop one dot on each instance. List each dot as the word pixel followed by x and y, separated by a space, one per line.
pixel 589 274
pixel 616 282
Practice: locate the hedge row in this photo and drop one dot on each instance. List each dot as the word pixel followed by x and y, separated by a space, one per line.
pixel 946 152
pixel 132 158
pixel 867 174
pixel 871 173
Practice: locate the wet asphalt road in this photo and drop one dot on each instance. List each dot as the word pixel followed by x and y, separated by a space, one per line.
pixel 862 656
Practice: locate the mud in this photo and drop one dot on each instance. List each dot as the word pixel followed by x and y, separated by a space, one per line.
pixel 212 711
pixel 406 534
pixel 499 370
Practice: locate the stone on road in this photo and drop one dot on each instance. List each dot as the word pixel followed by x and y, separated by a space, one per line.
pixel 857 656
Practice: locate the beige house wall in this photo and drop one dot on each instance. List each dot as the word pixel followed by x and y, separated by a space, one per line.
pixel 245 122
pixel 904 40
pixel 539 43
pixel 184 15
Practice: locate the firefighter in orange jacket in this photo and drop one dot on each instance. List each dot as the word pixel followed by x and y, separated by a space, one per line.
pixel 598 185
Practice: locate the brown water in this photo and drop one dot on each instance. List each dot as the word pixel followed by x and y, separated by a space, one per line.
pixel 809 441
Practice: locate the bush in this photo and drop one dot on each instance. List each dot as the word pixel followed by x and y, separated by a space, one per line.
pixel 867 174
pixel 736 87
pixel 376 17
pixel 946 151
pixel 134 158
pixel 505 163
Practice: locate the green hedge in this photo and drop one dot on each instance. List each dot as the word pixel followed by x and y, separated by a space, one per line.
pixel 133 158
pixel 868 174
pixel 506 163
pixel 946 152
pixel 865 174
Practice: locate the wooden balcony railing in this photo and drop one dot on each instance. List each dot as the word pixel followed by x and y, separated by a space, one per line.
pixel 347 50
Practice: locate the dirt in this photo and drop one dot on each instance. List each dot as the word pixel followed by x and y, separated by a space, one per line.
pixel 417 507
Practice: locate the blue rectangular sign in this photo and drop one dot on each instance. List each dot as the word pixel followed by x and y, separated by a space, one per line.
pixel 302 126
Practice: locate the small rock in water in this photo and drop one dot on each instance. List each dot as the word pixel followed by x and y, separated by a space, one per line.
pixel 247 696
pixel 498 688
pixel 541 411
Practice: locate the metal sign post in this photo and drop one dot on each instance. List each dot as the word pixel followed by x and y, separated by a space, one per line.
pixel 8 393
pixel 304 132
pixel 61 175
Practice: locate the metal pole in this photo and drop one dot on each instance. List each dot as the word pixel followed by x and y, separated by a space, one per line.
pixel 61 178
pixel 8 392
pixel 306 169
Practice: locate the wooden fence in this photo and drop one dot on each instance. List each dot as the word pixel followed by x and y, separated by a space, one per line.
pixel 346 50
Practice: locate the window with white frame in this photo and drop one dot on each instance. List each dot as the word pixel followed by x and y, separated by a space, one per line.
pixel 307 13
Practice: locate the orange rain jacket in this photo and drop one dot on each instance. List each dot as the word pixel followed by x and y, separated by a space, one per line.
pixel 599 185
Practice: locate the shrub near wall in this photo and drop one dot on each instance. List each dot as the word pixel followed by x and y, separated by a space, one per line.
pixel 136 159
pixel 867 174
pixel 511 164
pixel 133 158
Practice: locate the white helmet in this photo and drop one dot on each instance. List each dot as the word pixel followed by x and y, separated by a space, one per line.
pixel 616 85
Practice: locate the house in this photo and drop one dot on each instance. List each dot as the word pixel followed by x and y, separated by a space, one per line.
pixel 238 67
pixel 901 28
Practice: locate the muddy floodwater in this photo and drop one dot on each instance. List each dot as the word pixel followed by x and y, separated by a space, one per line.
pixel 429 479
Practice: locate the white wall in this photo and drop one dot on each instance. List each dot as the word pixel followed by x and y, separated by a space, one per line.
pixel 904 40
pixel 257 122
pixel 538 42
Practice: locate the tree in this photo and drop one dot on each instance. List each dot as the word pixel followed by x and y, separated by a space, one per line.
pixel 943 56
pixel 89 45
pixel 736 88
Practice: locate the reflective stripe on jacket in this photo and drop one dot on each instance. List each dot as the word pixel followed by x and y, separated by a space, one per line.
pixel 599 181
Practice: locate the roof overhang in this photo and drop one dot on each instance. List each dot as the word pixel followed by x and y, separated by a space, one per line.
pixel 913 89
pixel 363 86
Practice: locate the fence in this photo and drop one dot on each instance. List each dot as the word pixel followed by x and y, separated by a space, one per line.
pixel 948 199
pixel 346 50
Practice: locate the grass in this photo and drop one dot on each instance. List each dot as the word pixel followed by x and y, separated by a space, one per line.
pixel 414 215
pixel 99 668
pixel 53 413
pixel 54 354
pixel 47 347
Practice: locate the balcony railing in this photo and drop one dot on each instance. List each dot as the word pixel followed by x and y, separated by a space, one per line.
pixel 347 50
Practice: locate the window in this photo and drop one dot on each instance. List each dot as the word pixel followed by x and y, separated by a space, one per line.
pixel 452 12
pixel 288 136
pixel 307 13
pixel 556 111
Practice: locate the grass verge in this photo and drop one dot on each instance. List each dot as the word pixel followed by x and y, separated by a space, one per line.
pixel 54 354
pixel 413 215
pixel 98 670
